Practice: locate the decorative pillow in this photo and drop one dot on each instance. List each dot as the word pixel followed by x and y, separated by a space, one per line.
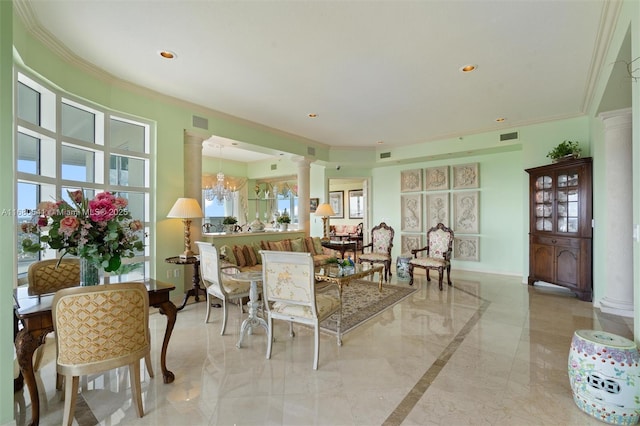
pixel 227 253
pixel 249 256
pixel 264 244
pixel 237 250
pixel 317 245
pixel 309 243
pixel 298 245
pixel 256 250
pixel 277 245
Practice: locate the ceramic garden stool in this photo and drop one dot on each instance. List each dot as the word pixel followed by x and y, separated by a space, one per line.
pixel 604 372
pixel 402 266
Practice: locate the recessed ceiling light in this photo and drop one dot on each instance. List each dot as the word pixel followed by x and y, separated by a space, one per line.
pixel 167 54
pixel 380 142
pixel 500 119
pixel 312 115
pixel 468 68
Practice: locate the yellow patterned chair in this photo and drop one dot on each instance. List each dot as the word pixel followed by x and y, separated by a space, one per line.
pixel 100 328
pixel 49 276
pixel 379 249
pixel 290 295
pixel 438 254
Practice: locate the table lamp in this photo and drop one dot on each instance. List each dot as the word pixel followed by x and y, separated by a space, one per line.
pixel 325 211
pixel 186 209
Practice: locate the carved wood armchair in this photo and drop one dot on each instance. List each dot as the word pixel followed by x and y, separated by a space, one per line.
pixel 438 254
pixel 379 249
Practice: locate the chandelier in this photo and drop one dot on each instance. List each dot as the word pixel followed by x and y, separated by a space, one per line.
pixel 219 192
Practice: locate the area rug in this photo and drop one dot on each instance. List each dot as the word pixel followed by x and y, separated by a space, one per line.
pixel 362 301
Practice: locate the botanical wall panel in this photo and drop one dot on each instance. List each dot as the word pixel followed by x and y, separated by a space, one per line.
pixel 466 248
pixel 437 207
pixel 466 176
pixel 465 212
pixel 437 178
pixel 410 242
pixel 411 180
pixel 411 214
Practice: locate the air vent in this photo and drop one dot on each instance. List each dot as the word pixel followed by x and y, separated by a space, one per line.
pixel 311 150
pixel 385 155
pixel 200 122
pixel 274 167
pixel 508 136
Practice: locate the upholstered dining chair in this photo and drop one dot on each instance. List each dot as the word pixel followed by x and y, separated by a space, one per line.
pixel 379 249
pixel 437 256
pixel 217 285
pixel 290 295
pixel 99 328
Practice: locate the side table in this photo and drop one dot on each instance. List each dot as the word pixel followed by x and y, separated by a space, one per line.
pixel 195 288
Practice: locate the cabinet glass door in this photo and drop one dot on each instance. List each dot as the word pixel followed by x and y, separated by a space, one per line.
pixel 543 203
pixel 567 207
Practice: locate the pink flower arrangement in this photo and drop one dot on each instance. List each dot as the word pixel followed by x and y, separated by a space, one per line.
pixel 100 230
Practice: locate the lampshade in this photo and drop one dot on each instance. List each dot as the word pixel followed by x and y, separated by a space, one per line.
pixel 186 208
pixel 324 210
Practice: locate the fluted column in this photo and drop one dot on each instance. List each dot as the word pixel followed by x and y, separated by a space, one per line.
pixel 618 262
pixel 193 178
pixel 304 171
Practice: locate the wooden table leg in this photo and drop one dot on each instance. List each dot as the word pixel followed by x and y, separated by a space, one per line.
pixel 26 344
pixel 168 309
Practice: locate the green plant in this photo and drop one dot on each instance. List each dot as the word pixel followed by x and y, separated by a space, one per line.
pixel 565 148
pixel 229 220
pixel 284 218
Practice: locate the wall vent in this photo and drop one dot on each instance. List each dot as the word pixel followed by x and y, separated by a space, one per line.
pixel 508 136
pixel 274 167
pixel 311 150
pixel 200 122
pixel 385 155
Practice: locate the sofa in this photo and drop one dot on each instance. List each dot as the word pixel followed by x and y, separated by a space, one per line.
pixel 248 258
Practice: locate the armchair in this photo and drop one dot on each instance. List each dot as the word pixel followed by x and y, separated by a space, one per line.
pixel 438 254
pixel 290 294
pixel 379 248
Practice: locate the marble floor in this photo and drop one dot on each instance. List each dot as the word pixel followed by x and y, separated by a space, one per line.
pixel 490 350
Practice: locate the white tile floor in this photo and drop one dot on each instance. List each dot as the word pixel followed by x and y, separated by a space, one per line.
pixel 490 350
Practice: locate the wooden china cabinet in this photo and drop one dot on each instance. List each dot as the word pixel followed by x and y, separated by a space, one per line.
pixel 560 228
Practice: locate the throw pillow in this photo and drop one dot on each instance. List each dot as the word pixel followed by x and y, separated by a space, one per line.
pixel 227 253
pixel 256 250
pixel 277 246
pixel 249 256
pixel 298 245
pixel 317 245
pixel 309 243
pixel 237 250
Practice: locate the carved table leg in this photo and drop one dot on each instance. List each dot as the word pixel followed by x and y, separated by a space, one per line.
pixel 26 344
pixel 169 309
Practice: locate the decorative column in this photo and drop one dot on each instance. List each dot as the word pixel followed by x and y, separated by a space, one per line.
pixel 618 260
pixel 193 176
pixel 304 170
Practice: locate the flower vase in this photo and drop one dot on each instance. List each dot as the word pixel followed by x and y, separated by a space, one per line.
pixel 89 273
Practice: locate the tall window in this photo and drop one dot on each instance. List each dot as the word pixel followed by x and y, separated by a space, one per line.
pixel 62 144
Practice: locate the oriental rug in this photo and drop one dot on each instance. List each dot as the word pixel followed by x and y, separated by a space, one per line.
pixel 362 301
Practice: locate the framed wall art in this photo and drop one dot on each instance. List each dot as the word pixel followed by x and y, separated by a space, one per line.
pixel 466 248
pixel 313 204
pixel 465 212
pixel 437 206
pixel 410 242
pixel 411 213
pixel 336 201
pixel 437 178
pixel 356 204
pixel 411 180
pixel 466 176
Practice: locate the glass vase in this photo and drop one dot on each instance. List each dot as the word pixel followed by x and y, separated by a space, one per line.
pixel 89 273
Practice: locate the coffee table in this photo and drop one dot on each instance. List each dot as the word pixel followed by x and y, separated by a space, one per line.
pixel 331 273
pixel 342 247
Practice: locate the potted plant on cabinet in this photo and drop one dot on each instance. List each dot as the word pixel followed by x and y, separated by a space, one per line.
pixel 229 223
pixel 284 220
pixel 565 150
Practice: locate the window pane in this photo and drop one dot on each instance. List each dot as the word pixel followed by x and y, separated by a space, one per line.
pixel 127 136
pixel 126 171
pixel 78 164
pixel 78 123
pixel 28 154
pixel 28 104
pixel 136 203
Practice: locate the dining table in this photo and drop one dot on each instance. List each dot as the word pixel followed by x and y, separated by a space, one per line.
pixel 34 312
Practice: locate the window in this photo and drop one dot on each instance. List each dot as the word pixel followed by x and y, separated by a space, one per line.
pixel 94 149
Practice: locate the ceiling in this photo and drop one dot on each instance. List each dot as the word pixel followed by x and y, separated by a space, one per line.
pixel 374 72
